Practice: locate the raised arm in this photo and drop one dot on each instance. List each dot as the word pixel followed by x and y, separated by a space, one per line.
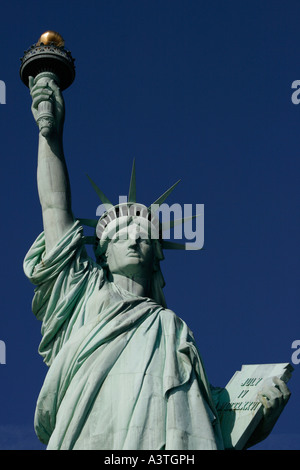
pixel 52 174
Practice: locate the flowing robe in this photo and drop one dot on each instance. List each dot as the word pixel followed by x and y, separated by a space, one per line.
pixel 124 373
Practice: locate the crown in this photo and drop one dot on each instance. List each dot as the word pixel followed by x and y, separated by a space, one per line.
pixel 116 217
pixel 112 219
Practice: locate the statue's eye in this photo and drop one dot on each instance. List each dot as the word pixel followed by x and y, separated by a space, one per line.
pixel 145 241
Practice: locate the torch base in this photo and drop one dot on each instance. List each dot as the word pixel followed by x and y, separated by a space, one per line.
pixel 48 58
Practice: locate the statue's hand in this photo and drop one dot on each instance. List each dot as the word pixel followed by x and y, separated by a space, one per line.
pixel 274 398
pixel 46 89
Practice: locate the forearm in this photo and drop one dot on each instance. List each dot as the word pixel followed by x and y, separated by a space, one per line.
pixel 54 189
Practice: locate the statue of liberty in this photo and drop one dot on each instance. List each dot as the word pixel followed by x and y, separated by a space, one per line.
pixel 124 370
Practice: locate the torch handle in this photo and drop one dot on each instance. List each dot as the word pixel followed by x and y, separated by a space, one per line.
pixel 45 120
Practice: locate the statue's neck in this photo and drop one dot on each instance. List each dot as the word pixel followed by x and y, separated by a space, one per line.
pixel 137 286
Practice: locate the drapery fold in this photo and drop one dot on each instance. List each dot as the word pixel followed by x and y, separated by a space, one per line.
pixel 125 372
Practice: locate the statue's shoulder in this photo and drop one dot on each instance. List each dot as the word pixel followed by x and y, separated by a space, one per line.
pixel 170 316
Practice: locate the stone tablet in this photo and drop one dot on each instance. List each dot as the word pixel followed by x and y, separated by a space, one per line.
pixel 239 408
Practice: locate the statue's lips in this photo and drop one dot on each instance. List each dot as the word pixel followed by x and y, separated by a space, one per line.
pixel 133 254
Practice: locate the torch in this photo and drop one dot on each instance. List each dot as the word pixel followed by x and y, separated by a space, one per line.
pixel 48 60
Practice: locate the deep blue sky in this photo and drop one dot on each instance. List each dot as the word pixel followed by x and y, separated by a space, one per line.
pixel 197 90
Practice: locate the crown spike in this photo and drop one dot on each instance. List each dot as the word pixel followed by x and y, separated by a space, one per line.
pixel 88 222
pixel 154 206
pixel 132 187
pixel 106 202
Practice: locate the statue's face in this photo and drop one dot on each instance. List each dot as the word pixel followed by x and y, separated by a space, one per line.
pixel 130 253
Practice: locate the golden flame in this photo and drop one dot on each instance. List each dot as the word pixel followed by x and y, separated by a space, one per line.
pixel 51 36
